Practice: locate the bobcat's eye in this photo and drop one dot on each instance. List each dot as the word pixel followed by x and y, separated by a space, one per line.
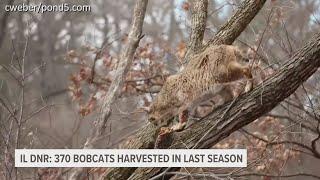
pixel 246 60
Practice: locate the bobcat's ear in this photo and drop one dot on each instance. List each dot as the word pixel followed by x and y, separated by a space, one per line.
pixel 204 60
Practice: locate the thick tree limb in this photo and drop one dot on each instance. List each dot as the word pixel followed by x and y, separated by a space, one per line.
pixel 229 32
pixel 114 91
pixel 248 107
pixel 139 141
pixel 198 26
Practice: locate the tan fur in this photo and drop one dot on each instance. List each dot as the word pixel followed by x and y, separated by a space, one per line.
pixel 228 92
pixel 205 75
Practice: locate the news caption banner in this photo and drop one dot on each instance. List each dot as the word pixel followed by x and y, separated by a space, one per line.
pixel 131 158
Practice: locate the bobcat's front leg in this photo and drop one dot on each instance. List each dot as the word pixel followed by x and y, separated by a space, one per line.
pixel 183 119
pixel 166 131
pixel 248 74
pixel 242 70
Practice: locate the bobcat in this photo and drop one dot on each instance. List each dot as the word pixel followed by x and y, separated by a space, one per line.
pixel 207 74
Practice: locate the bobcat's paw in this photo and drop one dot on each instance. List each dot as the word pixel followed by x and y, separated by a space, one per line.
pixel 165 130
pixel 248 86
pixel 179 126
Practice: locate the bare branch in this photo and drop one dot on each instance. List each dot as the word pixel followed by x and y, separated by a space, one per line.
pixel 114 91
pixel 222 176
pixel 277 176
pixel 126 59
pixel 238 22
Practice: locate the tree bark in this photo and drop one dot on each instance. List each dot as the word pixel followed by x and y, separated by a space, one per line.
pixel 114 90
pixel 230 31
pixel 198 27
pixel 248 107
pixel 244 15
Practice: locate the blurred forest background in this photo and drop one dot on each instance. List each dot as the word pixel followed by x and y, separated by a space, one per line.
pixel 55 67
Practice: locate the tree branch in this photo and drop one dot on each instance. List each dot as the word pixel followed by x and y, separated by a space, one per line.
pixel 248 107
pixel 224 176
pixel 198 26
pixel 229 32
pixel 277 176
pixel 114 91
pixel 145 137
pixel 126 59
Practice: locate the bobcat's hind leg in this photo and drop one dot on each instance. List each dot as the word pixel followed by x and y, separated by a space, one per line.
pixel 249 85
pixel 166 131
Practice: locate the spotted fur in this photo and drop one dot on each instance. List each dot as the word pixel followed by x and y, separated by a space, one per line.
pixel 205 75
